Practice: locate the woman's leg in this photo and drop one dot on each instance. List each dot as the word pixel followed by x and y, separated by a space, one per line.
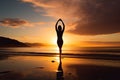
pixel 60 50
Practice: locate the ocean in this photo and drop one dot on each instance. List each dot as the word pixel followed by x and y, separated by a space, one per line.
pixel 78 50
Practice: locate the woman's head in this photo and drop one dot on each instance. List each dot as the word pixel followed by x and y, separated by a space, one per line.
pixel 59 28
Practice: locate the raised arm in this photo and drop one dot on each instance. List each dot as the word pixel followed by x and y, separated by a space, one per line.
pixel 56 25
pixel 63 25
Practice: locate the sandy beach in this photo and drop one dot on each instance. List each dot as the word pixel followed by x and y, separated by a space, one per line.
pixel 46 66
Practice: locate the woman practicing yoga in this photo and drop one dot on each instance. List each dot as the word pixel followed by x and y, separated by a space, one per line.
pixel 59 31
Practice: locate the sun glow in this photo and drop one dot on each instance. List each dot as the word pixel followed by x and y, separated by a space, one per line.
pixel 54 41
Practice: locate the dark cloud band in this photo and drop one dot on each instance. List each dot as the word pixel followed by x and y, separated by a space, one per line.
pixel 13 22
pixel 100 17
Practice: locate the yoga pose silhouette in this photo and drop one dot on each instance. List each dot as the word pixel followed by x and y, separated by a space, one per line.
pixel 59 31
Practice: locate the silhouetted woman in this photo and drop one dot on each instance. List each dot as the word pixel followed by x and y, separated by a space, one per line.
pixel 59 31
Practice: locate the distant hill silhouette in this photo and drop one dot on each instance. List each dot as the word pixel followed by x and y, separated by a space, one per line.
pixel 7 42
pixel 35 44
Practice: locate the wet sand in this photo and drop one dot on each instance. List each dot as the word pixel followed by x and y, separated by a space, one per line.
pixel 42 67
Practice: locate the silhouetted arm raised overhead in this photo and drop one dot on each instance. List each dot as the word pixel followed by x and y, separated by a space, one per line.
pixel 63 25
pixel 56 25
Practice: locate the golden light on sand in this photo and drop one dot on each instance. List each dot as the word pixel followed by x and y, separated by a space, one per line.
pixel 57 58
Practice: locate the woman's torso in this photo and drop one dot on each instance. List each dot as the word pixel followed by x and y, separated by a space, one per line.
pixel 59 35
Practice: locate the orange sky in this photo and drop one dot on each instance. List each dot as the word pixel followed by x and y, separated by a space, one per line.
pixel 86 25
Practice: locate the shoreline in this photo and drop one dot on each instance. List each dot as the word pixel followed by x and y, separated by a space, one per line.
pixel 64 55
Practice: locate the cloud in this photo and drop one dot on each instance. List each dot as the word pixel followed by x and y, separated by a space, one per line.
pixel 17 22
pixel 13 22
pixel 100 43
pixel 100 17
pixel 84 17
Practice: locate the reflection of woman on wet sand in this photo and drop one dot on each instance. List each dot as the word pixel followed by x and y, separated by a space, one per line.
pixel 59 31
pixel 60 75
